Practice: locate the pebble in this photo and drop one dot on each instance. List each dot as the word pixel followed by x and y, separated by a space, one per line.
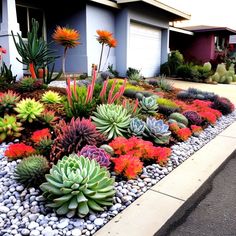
pixel 99 221
pixel 76 232
pixel 4 209
pixel 63 224
pixel 34 232
pixel 33 225
pixel 25 232
pixel 48 231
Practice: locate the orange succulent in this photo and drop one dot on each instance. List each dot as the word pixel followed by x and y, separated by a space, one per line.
pixel 66 37
pixel 104 36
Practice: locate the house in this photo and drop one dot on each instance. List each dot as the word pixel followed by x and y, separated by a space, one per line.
pixel 204 44
pixel 140 26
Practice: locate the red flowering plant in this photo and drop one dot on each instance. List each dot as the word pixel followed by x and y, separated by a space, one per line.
pixel 196 130
pixel 19 150
pixel 127 165
pixel 39 135
pixel 183 134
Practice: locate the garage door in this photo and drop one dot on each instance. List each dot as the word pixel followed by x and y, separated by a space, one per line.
pixel 145 49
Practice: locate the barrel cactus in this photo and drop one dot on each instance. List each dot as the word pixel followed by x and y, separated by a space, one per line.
pixel 149 105
pixel 158 130
pixel 98 154
pixel 78 185
pixel 31 170
pixel 179 118
pixel 137 127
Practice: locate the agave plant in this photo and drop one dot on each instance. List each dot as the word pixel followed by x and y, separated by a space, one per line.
pixel 8 100
pixel 98 154
pixel 112 120
pixel 9 127
pixel 158 130
pixel 149 105
pixel 73 136
pixel 29 109
pixel 137 127
pixel 78 185
pixel 51 97
pixel 31 170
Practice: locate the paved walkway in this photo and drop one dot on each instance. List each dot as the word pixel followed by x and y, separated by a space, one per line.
pixel 225 90
pixel 215 215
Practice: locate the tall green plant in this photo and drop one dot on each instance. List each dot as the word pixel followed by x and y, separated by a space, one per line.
pixel 35 52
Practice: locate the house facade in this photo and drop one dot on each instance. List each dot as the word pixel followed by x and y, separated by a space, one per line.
pixel 205 43
pixel 141 28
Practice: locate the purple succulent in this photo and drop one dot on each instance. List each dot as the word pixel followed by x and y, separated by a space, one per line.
pixel 93 152
pixel 193 117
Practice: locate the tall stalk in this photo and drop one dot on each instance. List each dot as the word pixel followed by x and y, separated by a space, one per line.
pixel 64 61
pixel 100 61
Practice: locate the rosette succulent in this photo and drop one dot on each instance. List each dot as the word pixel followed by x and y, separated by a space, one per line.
pixel 149 105
pixel 193 117
pixel 112 120
pixel 29 109
pixel 137 127
pixel 98 154
pixel 158 130
pixel 9 127
pixel 51 97
pixel 8 100
pixel 31 170
pixel 78 185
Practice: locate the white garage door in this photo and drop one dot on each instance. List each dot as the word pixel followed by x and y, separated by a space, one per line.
pixel 144 49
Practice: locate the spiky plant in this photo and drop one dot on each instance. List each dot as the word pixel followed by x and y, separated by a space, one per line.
pixel 112 120
pixel 157 130
pixel 164 84
pixel 9 128
pixel 31 170
pixel 8 101
pixel 224 105
pixel 98 154
pixel 137 127
pixel 73 136
pixel 51 97
pixel 48 117
pixel 149 105
pixel 78 185
pixel 29 109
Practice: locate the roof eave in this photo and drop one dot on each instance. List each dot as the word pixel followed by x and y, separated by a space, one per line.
pixel 107 3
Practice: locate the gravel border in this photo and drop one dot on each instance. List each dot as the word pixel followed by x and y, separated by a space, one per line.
pixel 22 210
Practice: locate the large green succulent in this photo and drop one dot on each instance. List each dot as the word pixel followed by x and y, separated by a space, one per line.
pixel 51 97
pixel 78 185
pixel 9 127
pixel 31 170
pixel 149 105
pixel 29 109
pixel 112 120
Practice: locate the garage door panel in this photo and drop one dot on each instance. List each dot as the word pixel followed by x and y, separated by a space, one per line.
pixel 145 49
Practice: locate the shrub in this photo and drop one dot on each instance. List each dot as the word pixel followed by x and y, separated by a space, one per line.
pixel 184 71
pixel 73 136
pixel 127 165
pixel 9 128
pixel 130 71
pixel 51 97
pixel 18 150
pixel 77 185
pixel 31 170
pixel 112 120
pixel 98 154
pixel 29 109
pixel 111 70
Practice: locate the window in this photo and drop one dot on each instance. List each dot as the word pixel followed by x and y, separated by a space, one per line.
pixel 24 18
pixel 220 43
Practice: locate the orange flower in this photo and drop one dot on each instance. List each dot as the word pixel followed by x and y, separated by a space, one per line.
pixel 112 43
pixel 66 37
pixel 104 36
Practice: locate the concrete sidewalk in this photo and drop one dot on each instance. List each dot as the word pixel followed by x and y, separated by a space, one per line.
pixel 215 215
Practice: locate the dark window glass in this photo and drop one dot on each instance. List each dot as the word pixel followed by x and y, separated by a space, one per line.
pixel 22 20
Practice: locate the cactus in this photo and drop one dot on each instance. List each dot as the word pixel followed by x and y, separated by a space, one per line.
pixel 179 118
pixel 31 170
pixel 78 185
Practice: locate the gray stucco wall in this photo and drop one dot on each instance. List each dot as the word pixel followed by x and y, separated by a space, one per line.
pixel 99 18
pixel 73 17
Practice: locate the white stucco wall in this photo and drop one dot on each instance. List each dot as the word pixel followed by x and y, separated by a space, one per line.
pixel 98 18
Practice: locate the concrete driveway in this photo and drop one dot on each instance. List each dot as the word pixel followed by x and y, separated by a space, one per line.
pixel 224 90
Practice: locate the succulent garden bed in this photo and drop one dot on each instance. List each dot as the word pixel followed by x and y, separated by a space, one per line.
pixel 130 137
